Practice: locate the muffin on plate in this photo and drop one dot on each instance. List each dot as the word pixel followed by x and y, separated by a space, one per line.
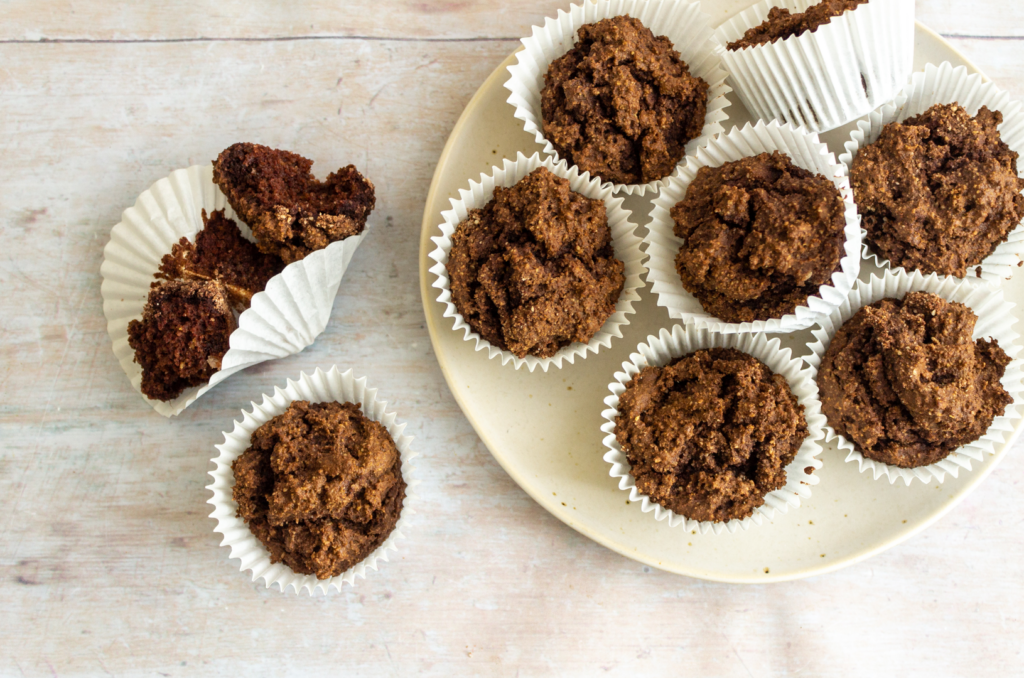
pixel 939 191
pixel 710 434
pixel 782 23
pixel 534 269
pixel 622 104
pixel 818 64
pixel 761 236
pixel 904 381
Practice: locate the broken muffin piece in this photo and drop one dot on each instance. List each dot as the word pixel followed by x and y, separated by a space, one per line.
pixel 622 104
pixel 221 253
pixel 905 382
pixel 320 486
pixel 710 434
pixel 182 337
pixel 290 212
pixel 534 270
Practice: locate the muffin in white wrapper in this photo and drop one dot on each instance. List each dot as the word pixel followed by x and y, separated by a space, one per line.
pixel 825 78
pixel 680 341
pixel 283 319
pixel 625 243
pixel 331 386
pixel 995 320
pixel 680 21
pixel 662 245
pixel 944 84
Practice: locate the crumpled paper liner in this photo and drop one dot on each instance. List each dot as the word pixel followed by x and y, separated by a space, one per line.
pixel 995 320
pixel 668 345
pixel 624 242
pixel 944 84
pixel 662 246
pixel 826 78
pixel 283 319
pixel 680 21
pixel 320 386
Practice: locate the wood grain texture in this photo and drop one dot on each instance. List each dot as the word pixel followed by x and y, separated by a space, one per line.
pixel 108 562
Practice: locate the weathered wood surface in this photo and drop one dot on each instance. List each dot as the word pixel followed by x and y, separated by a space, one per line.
pixel 108 562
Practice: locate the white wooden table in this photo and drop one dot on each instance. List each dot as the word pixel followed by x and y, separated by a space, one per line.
pixel 108 561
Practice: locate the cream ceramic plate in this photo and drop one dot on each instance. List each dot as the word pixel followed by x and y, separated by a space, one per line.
pixel 545 428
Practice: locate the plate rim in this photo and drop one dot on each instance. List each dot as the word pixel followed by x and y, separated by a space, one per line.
pixel 430 222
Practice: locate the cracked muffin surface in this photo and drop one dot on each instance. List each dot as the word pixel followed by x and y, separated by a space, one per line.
pixel 320 486
pixel 904 381
pixel 710 434
pixel 939 191
pixel 534 270
pixel 761 236
pixel 622 104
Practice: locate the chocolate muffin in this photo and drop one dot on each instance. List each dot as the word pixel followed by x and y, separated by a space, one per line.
pixel 182 337
pixel 535 270
pixel 622 104
pixel 939 191
pixel 781 23
pixel 905 383
pixel 221 253
pixel 710 434
pixel 761 236
pixel 320 486
pixel 290 212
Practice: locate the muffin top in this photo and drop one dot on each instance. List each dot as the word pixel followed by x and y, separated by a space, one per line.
pixel 761 236
pixel 905 383
pixel 290 212
pixel 622 104
pixel 221 253
pixel 710 434
pixel 939 191
pixel 320 486
pixel 781 23
pixel 534 270
pixel 184 333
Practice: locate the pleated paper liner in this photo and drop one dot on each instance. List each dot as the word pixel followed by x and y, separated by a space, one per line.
pixel 680 21
pixel 944 84
pixel 282 320
pixel 825 78
pixel 995 320
pixel 680 341
pixel 662 245
pixel 624 242
pixel 320 386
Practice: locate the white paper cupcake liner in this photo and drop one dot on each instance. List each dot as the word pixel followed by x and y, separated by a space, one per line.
pixel 995 320
pixel 662 245
pixel 317 387
pixel 680 341
pixel 944 84
pixel 680 21
pixel 824 78
pixel 283 319
pixel 624 242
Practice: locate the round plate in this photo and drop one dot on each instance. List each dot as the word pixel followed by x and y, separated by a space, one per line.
pixel 545 428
